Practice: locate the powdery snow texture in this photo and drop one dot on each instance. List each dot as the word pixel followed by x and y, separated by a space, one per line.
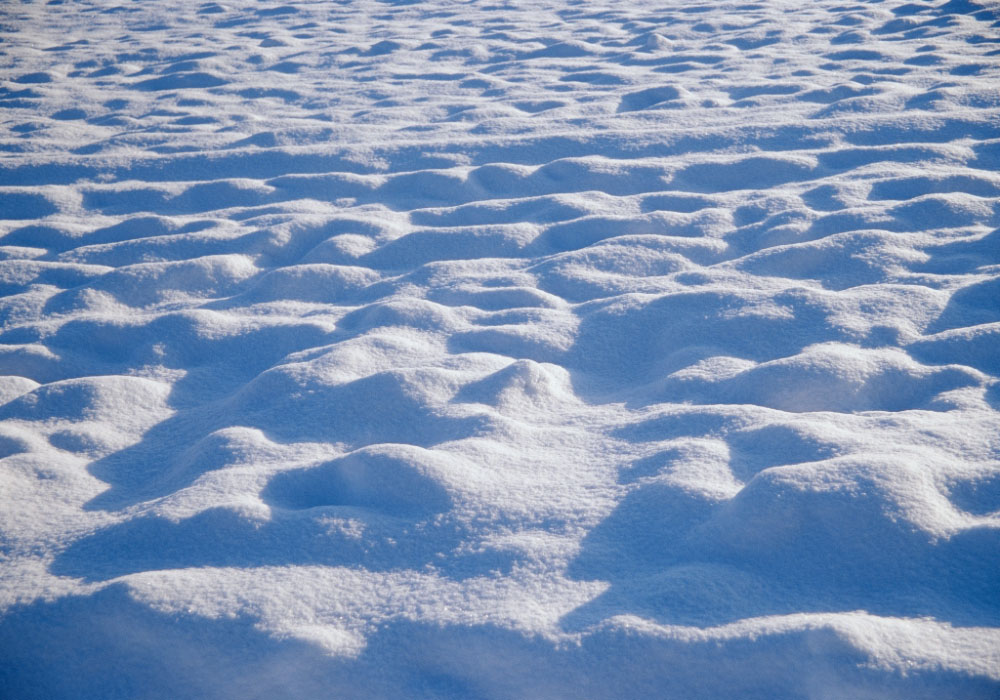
pixel 519 350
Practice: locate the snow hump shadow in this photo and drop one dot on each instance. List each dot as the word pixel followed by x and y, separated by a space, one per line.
pixel 110 645
pixel 678 556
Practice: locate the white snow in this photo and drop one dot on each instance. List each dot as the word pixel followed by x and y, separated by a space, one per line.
pixel 461 349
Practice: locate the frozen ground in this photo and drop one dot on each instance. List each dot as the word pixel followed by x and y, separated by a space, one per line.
pixel 519 350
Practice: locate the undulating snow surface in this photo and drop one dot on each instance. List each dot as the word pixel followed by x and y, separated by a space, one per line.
pixel 521 350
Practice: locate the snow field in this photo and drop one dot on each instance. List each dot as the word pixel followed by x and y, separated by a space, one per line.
pixel 468 350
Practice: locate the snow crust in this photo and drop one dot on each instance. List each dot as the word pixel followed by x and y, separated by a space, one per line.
pixel 462 349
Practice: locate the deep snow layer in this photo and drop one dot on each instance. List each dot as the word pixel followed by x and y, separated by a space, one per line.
pixel 516 350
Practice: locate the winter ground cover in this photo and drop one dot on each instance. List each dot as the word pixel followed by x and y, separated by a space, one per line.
pixel 449 349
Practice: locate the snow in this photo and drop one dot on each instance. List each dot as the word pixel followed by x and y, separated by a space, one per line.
pixel 458 349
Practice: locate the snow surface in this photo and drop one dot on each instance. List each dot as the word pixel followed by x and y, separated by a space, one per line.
pixel 540 349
